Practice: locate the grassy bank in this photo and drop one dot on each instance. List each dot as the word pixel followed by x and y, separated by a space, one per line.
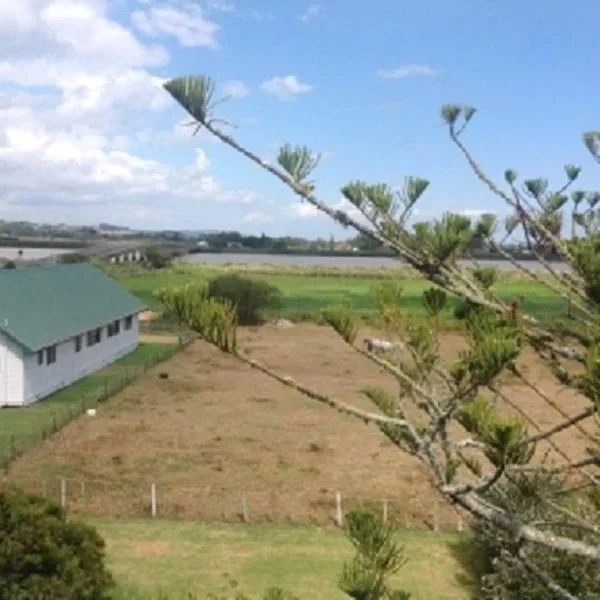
pixel 306 291
pixel 176 558
pixel 22 427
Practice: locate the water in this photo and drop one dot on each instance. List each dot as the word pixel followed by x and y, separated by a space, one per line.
pixel 31 253
pixel 367 262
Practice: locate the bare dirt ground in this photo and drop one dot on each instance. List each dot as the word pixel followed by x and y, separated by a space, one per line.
pixel 218 438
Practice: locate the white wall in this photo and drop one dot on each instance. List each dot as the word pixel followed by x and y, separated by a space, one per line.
pixel 11 373
pixel 42 380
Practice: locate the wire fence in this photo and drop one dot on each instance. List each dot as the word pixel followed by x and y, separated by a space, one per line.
pixel 156 500
pixel 64 413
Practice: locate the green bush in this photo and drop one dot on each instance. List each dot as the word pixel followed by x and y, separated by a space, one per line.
pixel 250 297
pixel 72 257
pixel 10 264
pixel 45 557
pixel 157 258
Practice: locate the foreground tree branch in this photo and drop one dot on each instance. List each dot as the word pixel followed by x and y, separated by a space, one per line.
pixel 449 398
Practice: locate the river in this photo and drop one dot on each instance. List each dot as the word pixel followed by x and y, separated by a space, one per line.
pixel 367 262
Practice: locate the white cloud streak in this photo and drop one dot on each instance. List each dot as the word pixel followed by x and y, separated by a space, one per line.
pixel 285 88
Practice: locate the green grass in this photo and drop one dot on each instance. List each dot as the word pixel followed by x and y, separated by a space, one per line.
pixel 176 558
pixel 305 295
pixel 21 426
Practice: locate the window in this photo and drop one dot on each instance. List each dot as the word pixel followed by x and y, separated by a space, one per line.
pixel 78 344
pixel 94 336
pixel 51 355
pixel 128 322
pixel 41 357
pixel 114 328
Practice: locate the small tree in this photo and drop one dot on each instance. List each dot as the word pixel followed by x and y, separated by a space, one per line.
pixel 250 297
pixel 157 258
pixel 10 264
pixel 42 555
pixel 72 257
pixel 378 557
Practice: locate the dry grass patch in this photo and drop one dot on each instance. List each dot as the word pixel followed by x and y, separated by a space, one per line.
pixel 215 428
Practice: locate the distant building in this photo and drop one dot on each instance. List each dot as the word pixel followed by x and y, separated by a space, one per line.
pixel 59 323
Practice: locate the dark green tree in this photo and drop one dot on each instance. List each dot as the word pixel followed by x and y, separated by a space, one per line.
pixel 157 258
pixel 45 557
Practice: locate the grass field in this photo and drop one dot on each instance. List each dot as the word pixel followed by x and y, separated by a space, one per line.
pixel 176 558
pixel 304 293
pixel 17 426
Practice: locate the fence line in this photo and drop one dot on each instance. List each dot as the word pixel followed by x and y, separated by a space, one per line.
pixel 60 418
pixel 156 500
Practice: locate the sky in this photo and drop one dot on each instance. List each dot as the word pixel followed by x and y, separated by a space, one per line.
pixel 88 135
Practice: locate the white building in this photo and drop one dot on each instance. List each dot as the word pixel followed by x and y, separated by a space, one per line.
pixel 59 323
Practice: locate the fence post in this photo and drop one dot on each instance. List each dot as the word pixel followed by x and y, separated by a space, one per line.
pixel 153 500
pixel 339 516
pixel 83 490
pixel 63 492
pixel 436 515
pixel 385 511
pixel 245 512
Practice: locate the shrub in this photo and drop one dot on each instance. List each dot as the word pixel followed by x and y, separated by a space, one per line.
pixel 10 264
pixel 157 258
pixel 42 555
pixel 72 257
pixel 250 297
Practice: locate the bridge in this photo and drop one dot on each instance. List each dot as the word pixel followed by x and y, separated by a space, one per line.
pixel 121 251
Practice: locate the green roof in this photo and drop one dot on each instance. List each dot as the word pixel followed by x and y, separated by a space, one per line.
pixel 42 306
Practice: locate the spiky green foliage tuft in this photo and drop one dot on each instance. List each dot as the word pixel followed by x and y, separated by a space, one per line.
pixel 194 93
pixel 298 162
pixel 212 319
pixel 434 300
pixel 378 557
pixel 343 321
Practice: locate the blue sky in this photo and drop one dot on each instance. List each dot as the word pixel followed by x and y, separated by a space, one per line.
pixel 362 83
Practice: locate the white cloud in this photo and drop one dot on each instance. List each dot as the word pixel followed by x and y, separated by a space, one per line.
pixel 202 161
pixel 303 210
pixel 258 217
pixel 221 5
pixel 408 71
pixel 75 140
pixel 235 89
pixel 285 88
pixel 475 213
pixel 312 12
pixel 189 26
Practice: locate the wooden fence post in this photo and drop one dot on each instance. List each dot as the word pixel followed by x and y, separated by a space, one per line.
pixel 385 511
pixel 339 515
pixel 83 490
pixel 436 515
pixel 245 512
pixel 153 500
pixel 63 492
